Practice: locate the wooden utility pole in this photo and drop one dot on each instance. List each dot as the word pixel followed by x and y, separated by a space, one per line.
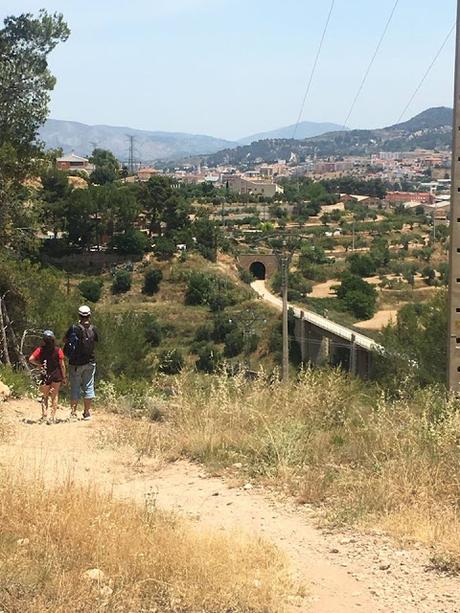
pixel 285 323
pixel 285 276
pixel 454 255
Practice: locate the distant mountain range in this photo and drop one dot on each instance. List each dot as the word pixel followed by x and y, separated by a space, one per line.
pixel 149 146
pixel 305 129
pixel 431 129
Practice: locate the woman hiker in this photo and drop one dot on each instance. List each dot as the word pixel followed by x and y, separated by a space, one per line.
pixel 51 358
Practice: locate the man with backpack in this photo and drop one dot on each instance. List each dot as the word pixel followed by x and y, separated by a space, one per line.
pixel 79 347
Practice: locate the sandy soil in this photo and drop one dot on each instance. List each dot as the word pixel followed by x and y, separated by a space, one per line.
pixel 344 571
pixel 379 321
pixel 324 290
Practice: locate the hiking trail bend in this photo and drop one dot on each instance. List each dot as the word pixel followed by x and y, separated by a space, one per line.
pixel 342 571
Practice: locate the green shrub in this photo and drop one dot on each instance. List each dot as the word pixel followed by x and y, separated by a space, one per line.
pixel 209 359
pixel 219 300
pixel 199 289
pixel 17 380
pixel 91 289
pixel 122 282
pixel 298 286
pixel 429 275
pixel 361 265
pixel 152 280
pixel 222 326
pixel 133 242
pixel 358 296
pixel 314 272
pixel 164 248
pixel 209 253
pixel 203 333
pixel 312 254
pixel 234 343
pixel 153 332
pixel 246 276
pixel 360 304
pixel 171 362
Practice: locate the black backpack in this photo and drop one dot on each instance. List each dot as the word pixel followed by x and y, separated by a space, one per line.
pixel 87 340
pixel 80 343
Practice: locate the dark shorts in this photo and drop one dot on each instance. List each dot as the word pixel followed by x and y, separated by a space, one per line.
pixel 52 377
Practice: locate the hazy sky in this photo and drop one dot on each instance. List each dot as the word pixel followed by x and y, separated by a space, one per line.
pixel 231 68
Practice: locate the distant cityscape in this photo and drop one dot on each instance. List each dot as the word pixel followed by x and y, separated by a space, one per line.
pixel 427 172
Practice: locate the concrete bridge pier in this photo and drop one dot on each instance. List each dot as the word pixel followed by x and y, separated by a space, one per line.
pixel 320 347
pixel 314 345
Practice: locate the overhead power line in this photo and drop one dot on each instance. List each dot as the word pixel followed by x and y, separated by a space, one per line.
pixel 371 63
pixel 312 74
pixel 427 72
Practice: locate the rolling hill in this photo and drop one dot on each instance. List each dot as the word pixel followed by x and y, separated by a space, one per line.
pixel 431 129
pixel 305 129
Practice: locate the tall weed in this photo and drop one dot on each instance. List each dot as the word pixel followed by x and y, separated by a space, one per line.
pixel 145 560
pixel 330 440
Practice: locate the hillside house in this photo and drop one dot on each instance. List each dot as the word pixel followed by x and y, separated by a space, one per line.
pixel 144 174
pixel 239 185
pixel 74 162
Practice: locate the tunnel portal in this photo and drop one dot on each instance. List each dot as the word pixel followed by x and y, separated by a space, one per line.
pixel 258 270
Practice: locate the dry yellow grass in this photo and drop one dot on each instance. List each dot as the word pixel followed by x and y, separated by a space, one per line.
pixel 5 428
pixel 149 561
pixel 328 440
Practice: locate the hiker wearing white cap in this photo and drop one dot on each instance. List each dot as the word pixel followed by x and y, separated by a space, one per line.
pixel 79 347
pixel 51 359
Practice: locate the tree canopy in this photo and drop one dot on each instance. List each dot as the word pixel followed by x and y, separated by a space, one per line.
pixel 107 168
pixel 25 86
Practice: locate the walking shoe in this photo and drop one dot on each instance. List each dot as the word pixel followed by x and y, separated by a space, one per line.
pixel 86 417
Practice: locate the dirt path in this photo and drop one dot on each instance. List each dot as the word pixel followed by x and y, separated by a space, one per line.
pixel 342 571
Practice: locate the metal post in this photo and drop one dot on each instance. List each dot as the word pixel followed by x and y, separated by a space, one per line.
pixel 284 272
pixel 302 337
pixel 353 355
pixel 454 255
